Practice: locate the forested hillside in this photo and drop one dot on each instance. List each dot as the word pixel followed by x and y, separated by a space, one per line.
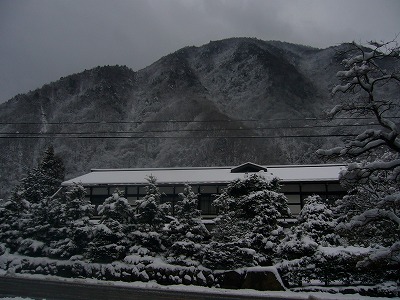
pixel 223 103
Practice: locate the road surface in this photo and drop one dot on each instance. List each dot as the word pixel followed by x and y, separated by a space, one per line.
pixel 61 290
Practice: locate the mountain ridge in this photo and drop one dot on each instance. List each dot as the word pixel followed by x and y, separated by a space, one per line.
pixel 198 106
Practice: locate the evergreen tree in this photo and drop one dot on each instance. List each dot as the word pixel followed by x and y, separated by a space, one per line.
pixel 152 214
pixel 186 231
pixel 43 180
pixel 187 224
pixel 110 241
pixel 250 209
pixel 44 221
pixel 13 219
pixel 53 166
pixel 75 231
pixel 32 213
pixel 315 226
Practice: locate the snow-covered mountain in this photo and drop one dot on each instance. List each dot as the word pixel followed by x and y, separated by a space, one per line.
pixel 218 104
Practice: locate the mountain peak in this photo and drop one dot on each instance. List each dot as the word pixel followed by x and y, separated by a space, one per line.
pixel 217 104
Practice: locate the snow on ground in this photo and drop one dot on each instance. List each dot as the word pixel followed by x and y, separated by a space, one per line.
pixel 16 298
pixel 203 290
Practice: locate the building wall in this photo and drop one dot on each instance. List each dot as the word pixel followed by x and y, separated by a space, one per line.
pixel 296 192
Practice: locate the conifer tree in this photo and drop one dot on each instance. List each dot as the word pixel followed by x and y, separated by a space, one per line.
pixel 187 224
pixel 33 211
pixel 151 217
pixel 315 226
pixel 75 231
pixel 110 241
pixel 43 180
pixel 187 231
pixel 249 212
pixel 13 219
pixel 152 214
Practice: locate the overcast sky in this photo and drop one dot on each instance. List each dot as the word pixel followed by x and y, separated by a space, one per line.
pixel 42 40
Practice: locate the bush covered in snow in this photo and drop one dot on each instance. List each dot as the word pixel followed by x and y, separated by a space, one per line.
pixel 315 226
pixel 186 231
pixel 228 256
pixel 77 227
pixel 249 212
pixel 110 241
pixel 152 214
pixel 335 265
pixel 187 224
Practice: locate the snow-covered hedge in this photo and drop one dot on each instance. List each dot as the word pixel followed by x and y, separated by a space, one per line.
pixel 336 265
pixel 133 268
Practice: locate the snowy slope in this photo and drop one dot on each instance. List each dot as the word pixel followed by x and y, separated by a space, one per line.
pixel 232 81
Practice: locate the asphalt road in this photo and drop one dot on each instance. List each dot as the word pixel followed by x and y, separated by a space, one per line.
pixel 59 290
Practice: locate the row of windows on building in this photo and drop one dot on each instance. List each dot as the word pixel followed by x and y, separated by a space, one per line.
pixel 296 193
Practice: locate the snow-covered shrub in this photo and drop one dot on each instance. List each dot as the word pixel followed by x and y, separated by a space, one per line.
pixel 45 223
pixel 315 226
pixel 42 181
pixel 75 231
pixel 335 265
pixel 32 211
pixel 146 242
pixel 227 256
pixel 186 231
pixel 249 212
pixel 187 224
pixel 13 218
pixel 367 213
pixel 152 214
pixel 32 247
pixel 317 221
pixel 110 241
pixel 296 245
pixel 116 208
pixel 107 244
pixel 185 253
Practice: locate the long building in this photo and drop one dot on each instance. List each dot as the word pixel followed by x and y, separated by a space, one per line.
pixel 298 182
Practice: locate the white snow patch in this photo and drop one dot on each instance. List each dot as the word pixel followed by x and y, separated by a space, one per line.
pixel 206 290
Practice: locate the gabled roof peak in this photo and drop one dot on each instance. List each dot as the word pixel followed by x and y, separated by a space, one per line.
pixel 248 167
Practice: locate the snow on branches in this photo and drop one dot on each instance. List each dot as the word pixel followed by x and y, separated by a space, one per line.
pixel 370 83
pixel 369 74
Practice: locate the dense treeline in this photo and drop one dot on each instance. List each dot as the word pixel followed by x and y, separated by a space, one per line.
pixel 39 220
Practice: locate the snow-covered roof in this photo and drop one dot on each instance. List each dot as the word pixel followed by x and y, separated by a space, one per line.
pixel 204 175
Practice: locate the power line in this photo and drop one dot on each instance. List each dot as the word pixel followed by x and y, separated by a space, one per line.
pixel 189 121
pixel 77 136
pixel 196 130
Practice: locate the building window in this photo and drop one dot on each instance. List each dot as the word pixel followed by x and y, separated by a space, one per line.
pixel 294 198
pixel 208 189
pixel 316 188
pixel 295 208
pixel 132 190
pixel 205 205
pixel 290 188
pixel 99 191
pixel 166 190
pixel 335 187
pixel 142 190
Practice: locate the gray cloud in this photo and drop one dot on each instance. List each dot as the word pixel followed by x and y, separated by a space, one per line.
pixel 42 40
